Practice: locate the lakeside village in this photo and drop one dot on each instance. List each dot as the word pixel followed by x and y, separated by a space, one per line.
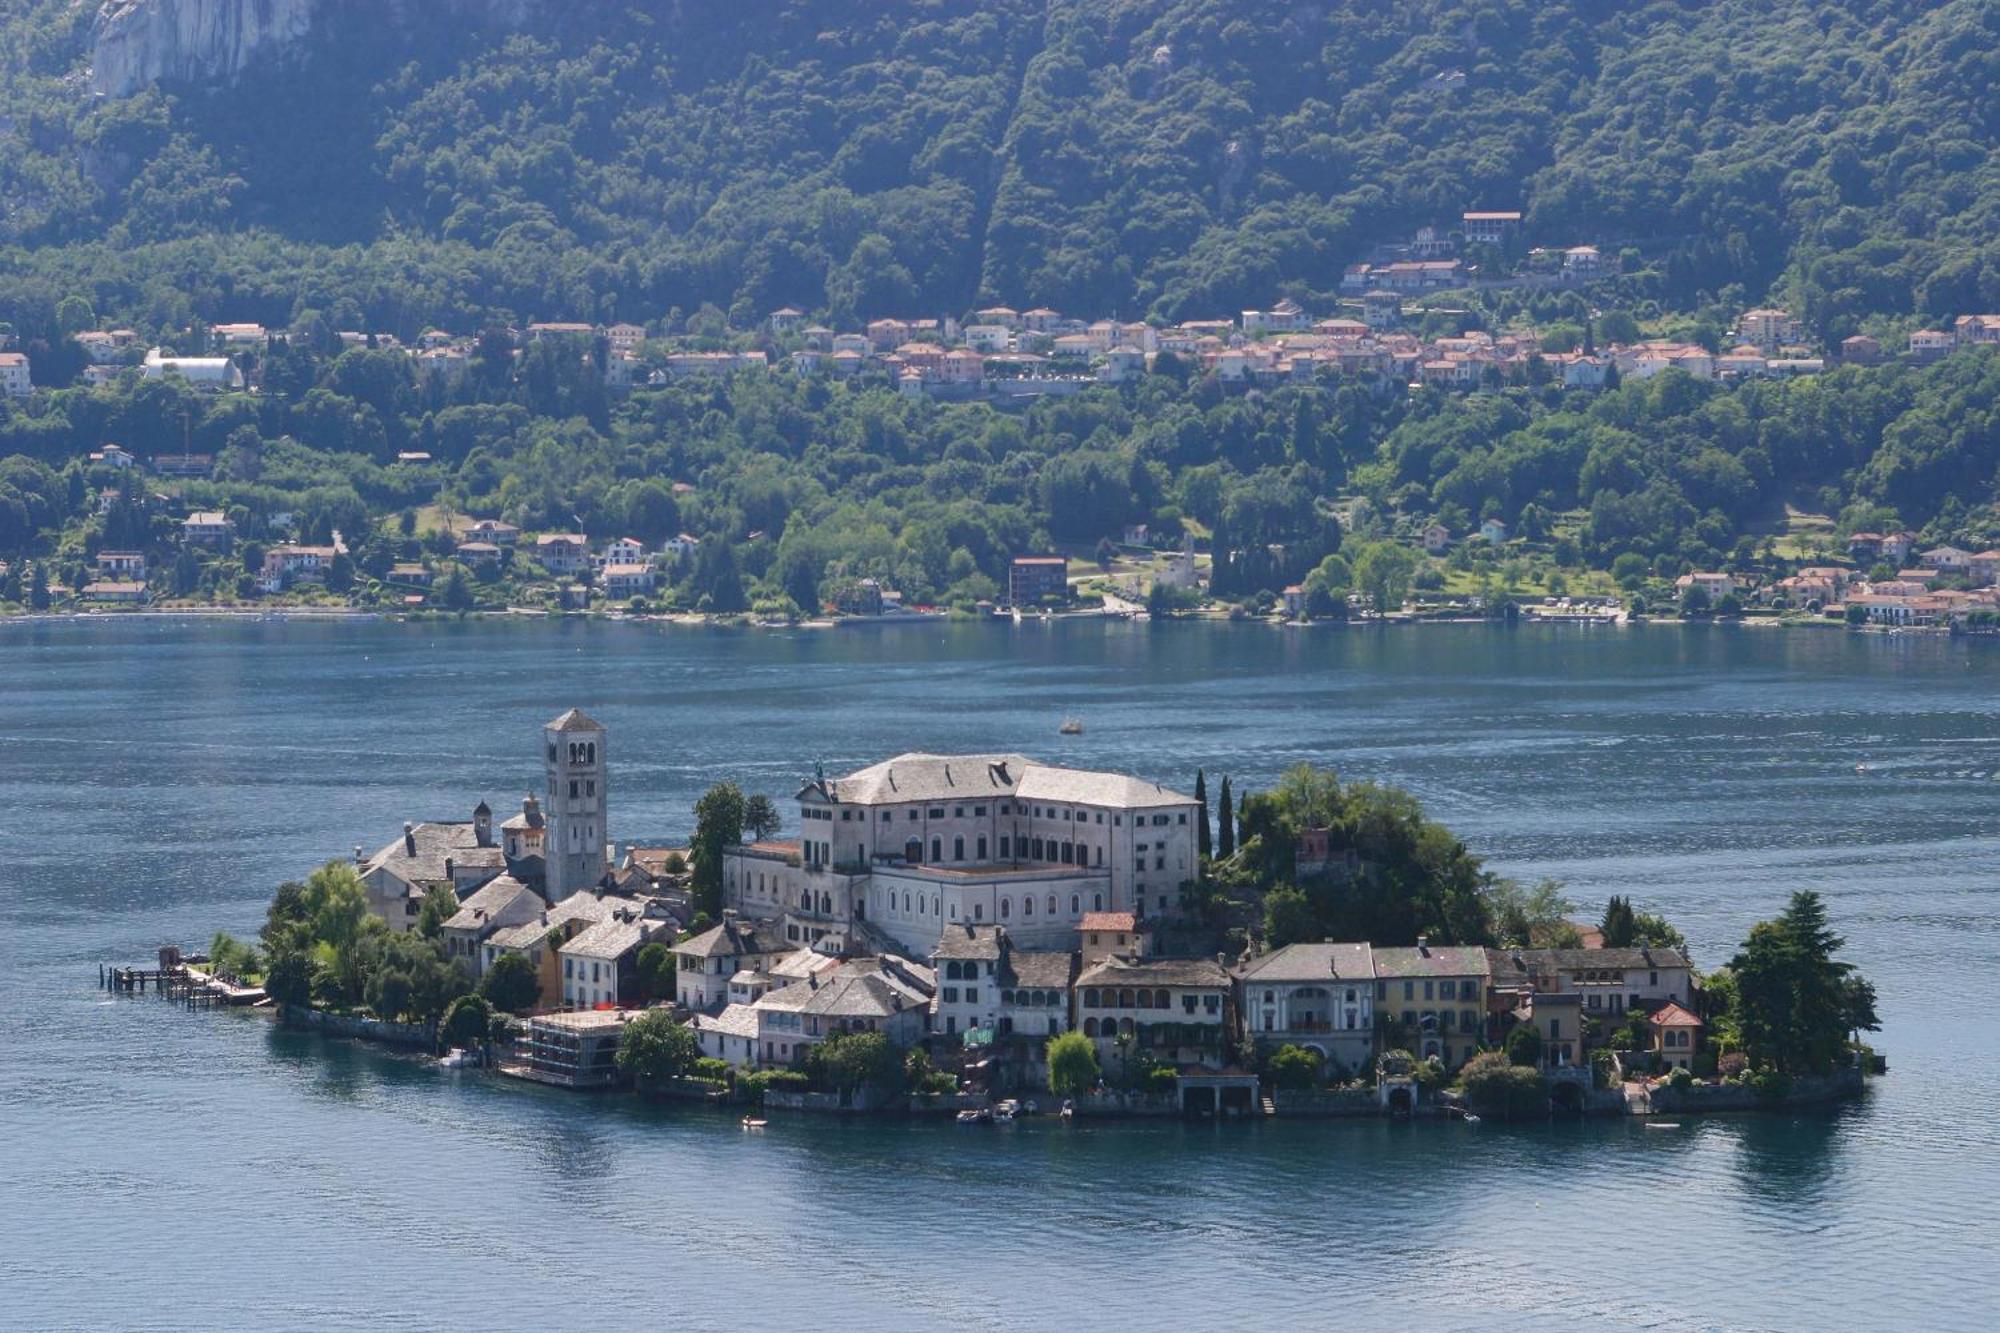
pixel 189 555
pixel 987 935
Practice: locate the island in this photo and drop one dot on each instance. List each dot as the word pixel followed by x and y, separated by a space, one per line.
pixel 987 935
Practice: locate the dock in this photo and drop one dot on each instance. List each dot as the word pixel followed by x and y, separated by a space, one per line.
pixel 182 980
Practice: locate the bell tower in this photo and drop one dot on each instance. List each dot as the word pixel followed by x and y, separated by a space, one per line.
pixel 573 849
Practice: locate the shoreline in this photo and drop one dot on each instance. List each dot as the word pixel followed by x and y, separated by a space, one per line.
pixel 1661 1104
pixel 699 620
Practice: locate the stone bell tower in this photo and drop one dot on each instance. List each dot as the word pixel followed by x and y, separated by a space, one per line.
pixel 573 849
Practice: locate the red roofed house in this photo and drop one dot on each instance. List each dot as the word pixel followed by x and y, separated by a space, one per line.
pixel 1676 1032
pixel 1102 935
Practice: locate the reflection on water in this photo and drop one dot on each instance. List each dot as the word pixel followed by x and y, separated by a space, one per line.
pixel 161 778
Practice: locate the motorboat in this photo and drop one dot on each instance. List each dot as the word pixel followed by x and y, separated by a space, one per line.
pixel 980 1116
pixel 1070 727
pixel 754 1122
pixel 1068 1109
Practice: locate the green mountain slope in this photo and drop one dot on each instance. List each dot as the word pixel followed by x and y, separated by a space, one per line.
pixel 1175 156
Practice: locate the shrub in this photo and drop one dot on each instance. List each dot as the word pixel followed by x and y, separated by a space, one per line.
pixel 1680 1080
pixel 1495 1085
pixel 1524 1044
pixel 1771 1084
pixel 710 1067
pixel 1162 1079
pixel 1731 1064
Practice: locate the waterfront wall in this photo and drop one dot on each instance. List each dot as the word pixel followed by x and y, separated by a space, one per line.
pixel 1326 1102
pixel 361 1027
pixel 1806 1091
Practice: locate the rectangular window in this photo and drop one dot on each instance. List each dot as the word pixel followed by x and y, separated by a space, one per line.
pixel 1447 990
pixel 1005 853
pixel 972 995
pixel 958 812
pixel 979 811
pixel 951 995
pixel 1187 1003
pixel 1409 990
pixel 1427 991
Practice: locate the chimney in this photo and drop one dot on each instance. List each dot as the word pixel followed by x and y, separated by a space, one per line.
pixel 409 838
pixel 1222 961
pixel 448 865
pixel 1424 945
pixel 360 858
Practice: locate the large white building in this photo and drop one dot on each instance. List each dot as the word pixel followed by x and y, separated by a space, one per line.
pixel 909 846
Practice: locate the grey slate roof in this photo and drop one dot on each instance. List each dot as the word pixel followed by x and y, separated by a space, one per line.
pixel 1585 960
pixel 501 901
pixel 945 777
pixel 733 939
pixel 1313 962
pixel 1438 960
pixel 1202 972
pixel 435 843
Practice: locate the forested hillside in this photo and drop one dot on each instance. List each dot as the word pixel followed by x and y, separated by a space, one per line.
pixel 1173 157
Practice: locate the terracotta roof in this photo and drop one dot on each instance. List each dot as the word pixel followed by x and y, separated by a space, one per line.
pixel 1125 921
pixel 1671 1015
pixel 574 720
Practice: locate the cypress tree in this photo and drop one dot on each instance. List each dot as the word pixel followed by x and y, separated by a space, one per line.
pixel 1225 832
pixel 1203 844
pixel 1620 924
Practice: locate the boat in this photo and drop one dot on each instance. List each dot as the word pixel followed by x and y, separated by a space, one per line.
pixel 1663 1124
pixel 1031 1107
pixel 754 1122
pixel 1004 1112
pixel 1070 727
pixel 982 1116
pixel 1469 1118
pixel 1068 1109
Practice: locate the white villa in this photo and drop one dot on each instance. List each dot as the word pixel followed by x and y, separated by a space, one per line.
pixel 1318 996
pixel 908 847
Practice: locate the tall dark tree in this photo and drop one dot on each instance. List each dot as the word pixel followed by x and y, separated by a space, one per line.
pixel 718 823
pixel 1794 1000
pixel 1620 924
pixel 1225 829
pixel 1203 834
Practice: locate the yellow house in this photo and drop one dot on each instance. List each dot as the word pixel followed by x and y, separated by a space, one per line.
pixel 1437 994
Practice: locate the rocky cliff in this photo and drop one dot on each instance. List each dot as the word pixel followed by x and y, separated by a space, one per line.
pixel 140 42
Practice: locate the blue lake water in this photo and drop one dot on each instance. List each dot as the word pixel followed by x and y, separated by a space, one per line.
pixel 160 777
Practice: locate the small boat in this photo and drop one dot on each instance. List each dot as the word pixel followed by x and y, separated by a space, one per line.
pixel 1031 1107
pixel 977 1117
pixel 1663 1124
pixel 1068 1109
pixel 1469 1118
pixel 459 1058
pixel 1070 727
pixel 754 1122
pixel 1004 1112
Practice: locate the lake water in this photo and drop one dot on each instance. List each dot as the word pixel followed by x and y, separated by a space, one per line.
pixel 170 1169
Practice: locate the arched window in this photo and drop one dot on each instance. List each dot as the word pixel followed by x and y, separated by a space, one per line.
pixel 1006 906
pixel 1075 904
pixel 1028 905
pixel 1090 997
pixel 1125 1027
pixel 1097 902
pixel 1161 1001
pixel 913 851
pixel 1089 1027
pixel 979 911
pixel 1124 999
pixel 1006 997
pixel 958 848
pixel 937 849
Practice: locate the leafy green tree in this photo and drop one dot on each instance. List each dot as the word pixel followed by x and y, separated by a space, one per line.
pixel 1294 1068
pixel 1072 1062
pixel 1535 917
pixel 1495 1085
pixel 468 1023
pixel 656 1046
pixel 440 905
pixel 1383 572
pixel 850 1061
pixel 1289 918
pixel 658 970
pixel 288 979
pixel 511 984
pixel 1524 1045
pixel 760 817
pixel 718 824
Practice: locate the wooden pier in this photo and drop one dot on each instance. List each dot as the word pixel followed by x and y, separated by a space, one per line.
pixel 181 980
